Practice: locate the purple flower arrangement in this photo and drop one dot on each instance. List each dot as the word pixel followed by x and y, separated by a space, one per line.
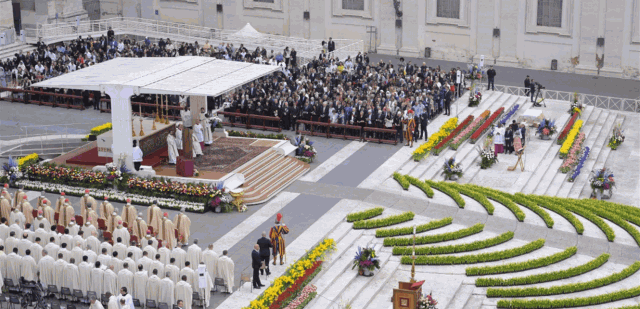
pixel 513 110
pixel 585 155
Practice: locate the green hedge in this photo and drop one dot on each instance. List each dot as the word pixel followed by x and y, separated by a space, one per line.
pixel 429 239
pixel 409 229
pixel 570 302
pixel 546 277
pixel 606 229
pixel 444 187
pixel 404 183
pixel 502 199
pixel 567 288
pixel 479 197
pixel 559 210
pixel 391 220
pixel 420 184
pixel 475 258
pixel 521 266
pixel 522 200
pixel 476 245
pixel 365 214
pixel 614 217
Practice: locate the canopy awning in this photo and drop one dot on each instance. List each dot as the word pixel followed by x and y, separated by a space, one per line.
pixel 202 76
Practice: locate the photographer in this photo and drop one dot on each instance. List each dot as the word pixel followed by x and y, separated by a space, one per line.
pixel 532 89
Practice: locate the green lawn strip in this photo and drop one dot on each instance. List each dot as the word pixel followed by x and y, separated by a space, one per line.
pixel 475 258
pixel 524 201
pixel 409 229
pixel 522 266
pixel 365 214
pixel 420 184
pixel 560 211
pixel 476 245
pixel 479 197
pixel 401 180
pixel 429 239
pixel 615 218
pixel 546 277
pixel 579 210
pixel 570 302
pixel 500 198
pixel 566 288
pixel 386 221
pixel 446 189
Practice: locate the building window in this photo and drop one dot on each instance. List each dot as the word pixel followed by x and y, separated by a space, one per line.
pixel 449 9
pixel 550 13
pixel 357 5
pixel 264 1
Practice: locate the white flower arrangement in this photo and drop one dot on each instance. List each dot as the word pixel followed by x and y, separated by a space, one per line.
pixel 112 194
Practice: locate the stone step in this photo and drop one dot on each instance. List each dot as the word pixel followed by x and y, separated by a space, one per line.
pixel 272 166
pixel 258 163
pixel 474 302
pixel 600 145
pixel 380 279
pixel 270 187
pixel 461 297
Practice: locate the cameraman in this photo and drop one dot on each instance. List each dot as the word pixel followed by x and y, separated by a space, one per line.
pixel 532 89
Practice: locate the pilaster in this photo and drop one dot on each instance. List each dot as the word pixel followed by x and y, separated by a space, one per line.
pixel 410 33
pixel 387 28
pixel 121 121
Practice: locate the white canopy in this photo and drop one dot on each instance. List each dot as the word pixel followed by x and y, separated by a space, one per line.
pixel 248 31
pixel 186 75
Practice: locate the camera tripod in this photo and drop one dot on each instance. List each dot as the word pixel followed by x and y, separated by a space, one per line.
pixel 535 101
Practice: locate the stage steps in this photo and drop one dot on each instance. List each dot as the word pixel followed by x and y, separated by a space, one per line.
pixel 268 174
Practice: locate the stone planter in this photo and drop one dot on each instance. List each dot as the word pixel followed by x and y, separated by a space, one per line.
pixel 453 177
pixel 365 272
pixel 218 209
pixel 545 137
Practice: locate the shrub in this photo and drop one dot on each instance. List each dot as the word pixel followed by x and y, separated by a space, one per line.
pixel 365 214
pixel 101 129
pixel 606 229
pixel 475 258
pixel 391 220
pixel 521 266
pixel 524 201
pixel 570 302
pixel 421 185
pixel 559 210
pixel 444 187
pixel 429 239
pixel 546 277
pixel 404 183
pixel 479 197
pixel 409 229
pixel 476 245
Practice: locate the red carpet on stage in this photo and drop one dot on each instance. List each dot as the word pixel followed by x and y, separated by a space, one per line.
pixel 91 158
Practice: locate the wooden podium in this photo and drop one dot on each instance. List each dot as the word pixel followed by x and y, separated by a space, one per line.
pixel 406 296
pixel 184 167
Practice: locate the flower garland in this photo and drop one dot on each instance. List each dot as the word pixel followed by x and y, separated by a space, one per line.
pixel 564 150
pixel 566 129
pixel 475 99
pixel 585 155
pixel 424 149
pixel 445 142
pixel 112 195
pixel 485 126
pixel 102 128
pixel 572 157
pixel 602 179
pixel 306 295
pixel 464 135
pixel 546 127
pixel 576 107
pixel 250 134
pixel 487 154
pixel 451 168
pixel 10 171
pixel 294 272
pixel 28 160
pixel 427 302
pixel 513 110
pixel 617 138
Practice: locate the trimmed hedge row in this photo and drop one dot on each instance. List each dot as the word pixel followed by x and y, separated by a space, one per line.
pixel 420 184
pixel 520 199
pixel 476 245
pixel 479 197
pixel 615 218
pixel 606 229
pixel 429 239
pixel 409 229
pixel 444 187
pixel 404 183
pixel 570 302
pixel 365 214
pixel 475 258
pixel 567 288
pixel 391 220
pixel 521 266
pixel 502 199
pixel 559 210
pixel 546 277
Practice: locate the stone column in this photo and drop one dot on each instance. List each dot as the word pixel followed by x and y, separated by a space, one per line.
pixel 410 42
pixel 121 121
pixel 6 15
pixel 589 14
pixel 387 28
pixel 508 22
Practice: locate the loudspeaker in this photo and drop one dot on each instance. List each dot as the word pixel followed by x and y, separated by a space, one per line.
pixel 399 23
pixel 600 42
pixel 496 32
pixel 306 15
pixel 427 52
pixel 219 8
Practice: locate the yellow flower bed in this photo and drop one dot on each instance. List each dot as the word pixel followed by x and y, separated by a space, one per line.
pixel 30 159
pixel 435 138
pixel 101 129
pixel 566 146
pixel 294 272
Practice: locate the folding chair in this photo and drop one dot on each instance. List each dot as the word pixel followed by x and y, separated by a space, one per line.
pixel 151 304
pixel 106 235
pixel 244 278
pixel 55 306
pixel 78 295
pixel 174 307
pixel 11 287
pixel 125 224
pixel 219 282
pixel 4 299
pixel 71 306
pixel 134 238
pixel 102 225
pixel 150 228
pixel 136 303
pixel 14 300
pixel 196 299
pixel 104 299
pixel 79 220
pixel 60 229
pixel 34 213
pixel 163 306
pixel 56 217
pixel 64 292
pixel 91 294
pixel 52 289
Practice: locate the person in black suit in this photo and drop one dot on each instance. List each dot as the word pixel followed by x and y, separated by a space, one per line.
pixel 331 45
pixel 256 263
pixel 447 101
pixel 424 122
pixel 265 253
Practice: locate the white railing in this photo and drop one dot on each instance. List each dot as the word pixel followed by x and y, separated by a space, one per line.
pixel 44 139
pixel 180 32
pixel 614 103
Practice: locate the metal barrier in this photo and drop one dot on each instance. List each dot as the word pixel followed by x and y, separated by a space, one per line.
pixel 343 131
pixel 621 104
pixel 43 139
pixel 43 98
pixel 247 123
pixel 383 135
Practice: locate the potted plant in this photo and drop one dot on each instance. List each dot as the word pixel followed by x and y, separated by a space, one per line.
pixel 305 150
pixel 427 302
pixel 602 180
pixel 576 107
pixel 366 261
pixel 487 154
pixel 546 129
pixel 451 170
pixel 617 138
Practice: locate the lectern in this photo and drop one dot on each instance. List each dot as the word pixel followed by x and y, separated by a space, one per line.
pixel 406 296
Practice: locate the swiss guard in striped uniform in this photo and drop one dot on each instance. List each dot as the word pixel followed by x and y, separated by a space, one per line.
pixel 277 238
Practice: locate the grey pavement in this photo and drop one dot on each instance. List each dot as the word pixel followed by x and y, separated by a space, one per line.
pixel 359 165
pixel 553 80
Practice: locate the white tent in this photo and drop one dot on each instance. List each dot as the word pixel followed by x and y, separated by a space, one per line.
pixel 248 32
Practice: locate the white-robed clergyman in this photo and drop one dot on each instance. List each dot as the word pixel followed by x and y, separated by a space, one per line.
pixel 197 150
pixel 179 137
pixel 86 204
pixel 71 276
pixel 153 287
pixel 172 148
pixel 183 224
pixel 210 259
pixel 225 270
pixel 125 279
pixel 84 279
pixel 167 290
pixel 140 279
pixel 154 217
pixel 184 292
pixel 110 281
pixel 46 269
pixel 129 214
pixel 194 254
pixel 28 267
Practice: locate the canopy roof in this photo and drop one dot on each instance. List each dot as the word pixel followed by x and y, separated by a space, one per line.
pixel 248 31
pixel 187 75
